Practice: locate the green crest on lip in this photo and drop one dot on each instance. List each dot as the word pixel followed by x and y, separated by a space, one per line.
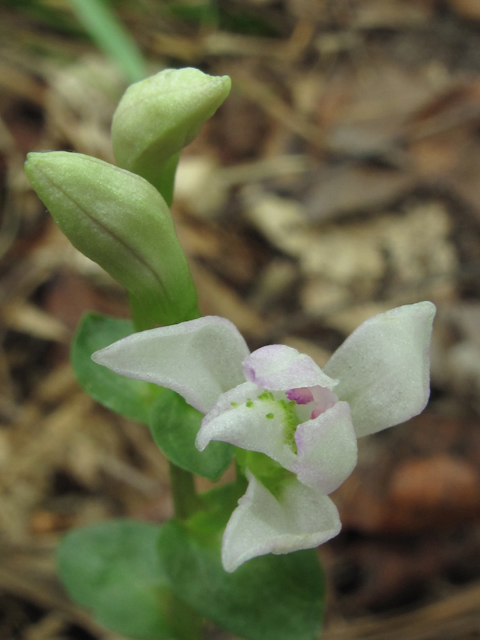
pixel 285 409
pixel 289 416
pixel 270 473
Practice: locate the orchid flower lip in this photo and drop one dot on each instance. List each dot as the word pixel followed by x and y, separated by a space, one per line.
pixel 284 424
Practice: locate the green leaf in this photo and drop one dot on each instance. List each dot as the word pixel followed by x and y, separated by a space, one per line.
pixel 128 397
pixel 110 35
pixel 114 570
pixel 268 598
pixel 175 425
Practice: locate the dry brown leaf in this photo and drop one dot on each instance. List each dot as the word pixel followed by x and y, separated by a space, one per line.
pixel 277 279
pixel 216 298
pixel 374 14
pixel 420 494
pixel 441 484
pixel 465 180
pixel 372 104
pixel 349 189
pixel 454 617
pixel 81 102
pixel 27 318
pixel 282 221
pixel 438 155
pixel 467 8
pixel 466 317
pixel 410 257
pixel 457 104
pixel 193 174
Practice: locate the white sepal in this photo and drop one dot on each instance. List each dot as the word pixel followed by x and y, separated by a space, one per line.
pixel 199 359
pixel 384 367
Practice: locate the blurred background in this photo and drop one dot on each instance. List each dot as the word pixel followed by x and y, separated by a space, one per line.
pixel 341 178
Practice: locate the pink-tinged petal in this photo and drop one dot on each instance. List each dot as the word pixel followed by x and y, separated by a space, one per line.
pixel 277 367
pixel 326 449
pixel 324 399
pixel 384 367
pixel 302 518
pixel 199 359
pixel 240 418
pixel 300 396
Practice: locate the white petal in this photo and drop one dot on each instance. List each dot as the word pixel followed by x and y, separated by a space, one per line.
pixel 240 418
pixel 302 519
pixel 199 359
pixel 384 367
pixel 326 449
pixel 277 367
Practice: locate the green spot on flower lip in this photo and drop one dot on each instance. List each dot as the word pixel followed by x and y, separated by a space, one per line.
pixel 288 415
pixel 234 404
pixel 249 402
pixel 266 395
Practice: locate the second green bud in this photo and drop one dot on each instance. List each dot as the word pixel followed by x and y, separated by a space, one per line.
pixel 120 221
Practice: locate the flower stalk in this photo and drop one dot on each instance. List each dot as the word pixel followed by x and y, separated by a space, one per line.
pixel 185 498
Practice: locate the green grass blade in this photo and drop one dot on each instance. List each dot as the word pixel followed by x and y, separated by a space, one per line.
pixel 111 36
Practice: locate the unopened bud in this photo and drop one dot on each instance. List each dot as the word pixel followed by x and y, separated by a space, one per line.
pixel 159 116
pixel 120 221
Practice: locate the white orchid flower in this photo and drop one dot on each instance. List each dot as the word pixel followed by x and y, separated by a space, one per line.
pixel 278 403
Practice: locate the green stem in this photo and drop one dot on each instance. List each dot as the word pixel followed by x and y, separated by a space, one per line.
pixel 185 498
pixel 187 623
pixel 141 321
pixel 165 183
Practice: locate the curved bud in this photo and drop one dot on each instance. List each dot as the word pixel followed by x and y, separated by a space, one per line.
pixel 159 116
pixel 120 221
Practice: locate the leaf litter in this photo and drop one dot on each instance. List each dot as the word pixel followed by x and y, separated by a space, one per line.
pixel 343 179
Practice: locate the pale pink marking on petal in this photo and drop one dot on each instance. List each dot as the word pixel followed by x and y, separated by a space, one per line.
pixel 324 399
pixel 300 396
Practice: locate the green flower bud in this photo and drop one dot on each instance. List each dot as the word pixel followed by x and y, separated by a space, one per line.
pixel 117 219
pixel 159 116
